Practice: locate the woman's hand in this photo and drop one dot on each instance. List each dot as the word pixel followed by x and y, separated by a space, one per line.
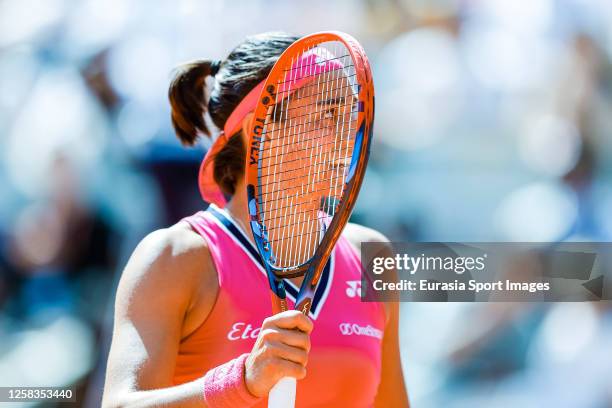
pixel 281 350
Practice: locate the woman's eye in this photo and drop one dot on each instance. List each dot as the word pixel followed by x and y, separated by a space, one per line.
pixel 329 114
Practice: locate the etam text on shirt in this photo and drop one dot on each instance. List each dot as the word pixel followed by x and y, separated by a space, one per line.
pixel 244 331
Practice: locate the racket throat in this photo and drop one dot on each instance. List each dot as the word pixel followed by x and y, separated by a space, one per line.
pixel 304 305
pixel 303 301
pixel 278 294
pixel 278 305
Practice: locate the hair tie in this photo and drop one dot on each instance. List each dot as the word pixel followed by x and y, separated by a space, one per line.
pixel 214 67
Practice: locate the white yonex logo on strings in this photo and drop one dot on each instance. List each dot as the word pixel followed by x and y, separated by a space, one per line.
pixel 354 288
pixel 243 331
pixel 349 329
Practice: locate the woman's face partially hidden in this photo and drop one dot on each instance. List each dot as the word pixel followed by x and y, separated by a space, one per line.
pixel 307 150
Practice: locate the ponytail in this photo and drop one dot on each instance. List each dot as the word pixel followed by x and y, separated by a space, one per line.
pixel 245 67
pixel 187 99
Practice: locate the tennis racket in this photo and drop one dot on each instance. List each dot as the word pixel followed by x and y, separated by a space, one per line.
pixel 306 157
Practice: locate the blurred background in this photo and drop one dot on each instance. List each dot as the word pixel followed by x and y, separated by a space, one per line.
pixel 493 124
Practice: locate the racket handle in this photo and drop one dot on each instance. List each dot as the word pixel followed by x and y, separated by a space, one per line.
pixel 282 395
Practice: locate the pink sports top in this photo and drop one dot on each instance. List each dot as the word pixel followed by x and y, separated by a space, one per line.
pixel 344 364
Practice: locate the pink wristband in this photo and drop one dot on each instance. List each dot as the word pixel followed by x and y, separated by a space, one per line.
pixel 225 386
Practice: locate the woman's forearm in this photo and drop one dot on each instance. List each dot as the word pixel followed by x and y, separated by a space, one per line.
pixel 222 386
pixel 190 394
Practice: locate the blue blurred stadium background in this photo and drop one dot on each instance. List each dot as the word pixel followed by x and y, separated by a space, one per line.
pixel 493 124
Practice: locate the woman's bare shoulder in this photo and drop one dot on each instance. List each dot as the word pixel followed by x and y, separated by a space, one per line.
pixel 175 260
pixel 178 245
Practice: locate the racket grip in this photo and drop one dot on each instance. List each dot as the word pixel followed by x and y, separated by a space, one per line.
pixel 282 395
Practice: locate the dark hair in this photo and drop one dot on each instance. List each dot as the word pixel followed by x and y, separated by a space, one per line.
pixel 245 67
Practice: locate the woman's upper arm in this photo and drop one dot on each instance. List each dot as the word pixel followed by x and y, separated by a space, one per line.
pixel 154 294
pixel 392 389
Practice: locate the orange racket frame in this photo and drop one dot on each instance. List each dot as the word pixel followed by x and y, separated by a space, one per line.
pixel 312 269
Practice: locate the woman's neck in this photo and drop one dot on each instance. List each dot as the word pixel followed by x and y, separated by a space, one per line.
pixel 237 207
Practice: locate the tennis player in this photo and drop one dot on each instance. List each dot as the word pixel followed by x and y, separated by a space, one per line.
pixel 192 314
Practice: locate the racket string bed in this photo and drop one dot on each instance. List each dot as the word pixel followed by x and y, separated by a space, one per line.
pixel 327 60
pixel 297 223
pixel 298 150
pixel 279 255
pixel 299 177
pixel 302 124
pixel 286 248
pixel 305 97
pixel 307 222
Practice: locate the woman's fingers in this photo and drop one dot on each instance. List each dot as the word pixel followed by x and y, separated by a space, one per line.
pixel 281 350
pixel 290 319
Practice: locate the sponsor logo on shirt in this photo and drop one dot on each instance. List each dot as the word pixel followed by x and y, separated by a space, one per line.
pixel 354 288
pixel 353 329
pixel 243 331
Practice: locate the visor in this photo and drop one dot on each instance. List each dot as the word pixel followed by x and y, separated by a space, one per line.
pixel 303 71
